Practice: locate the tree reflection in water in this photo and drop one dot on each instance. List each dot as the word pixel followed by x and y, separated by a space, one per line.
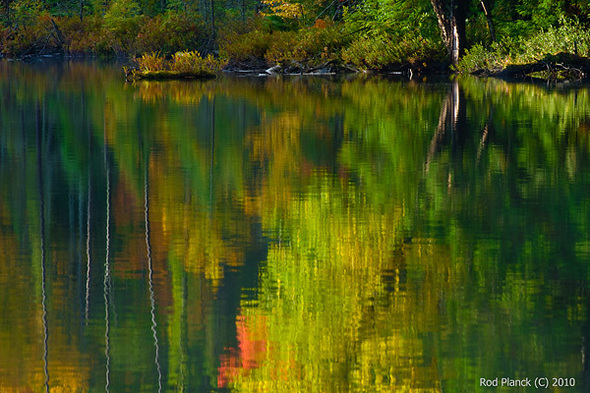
pixel 307 235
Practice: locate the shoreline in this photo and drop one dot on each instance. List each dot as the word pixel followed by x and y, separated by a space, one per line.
pixel 563 68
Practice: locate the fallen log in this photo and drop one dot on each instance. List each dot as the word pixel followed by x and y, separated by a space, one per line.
pixel 552 67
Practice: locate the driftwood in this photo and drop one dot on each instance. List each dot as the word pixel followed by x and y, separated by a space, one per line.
pixel 53 43
pixel 329 67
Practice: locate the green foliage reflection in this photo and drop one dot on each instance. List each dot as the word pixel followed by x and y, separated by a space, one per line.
pixel 308 234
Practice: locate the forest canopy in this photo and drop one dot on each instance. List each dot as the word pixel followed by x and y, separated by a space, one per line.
pixel 363 34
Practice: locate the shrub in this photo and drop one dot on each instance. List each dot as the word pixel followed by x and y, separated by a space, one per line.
pixel 480 58
pixel 81 36
pixel 151 62
pixel 122 24
pixel 194 62
pixel 311 45
pixel 569 37
pixel 181 62
pixel 247 47
pixel 383 50
pixel 6 34
pixel 170 33
pixel 256 42
pixel 244 42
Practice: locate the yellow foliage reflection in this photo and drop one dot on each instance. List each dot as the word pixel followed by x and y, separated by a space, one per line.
pixel 348 206
pixel 327 313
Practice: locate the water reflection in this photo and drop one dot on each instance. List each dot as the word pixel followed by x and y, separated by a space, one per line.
pixel 41 196
pixel 294 234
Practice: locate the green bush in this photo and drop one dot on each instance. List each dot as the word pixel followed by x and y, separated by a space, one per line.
pixel 181 62
pixel 194 62
pixel 568 37
pixel 170 33
pixel 309 46
pixel 382 50
pixel 151 62
pixel 479 58
pixel 255 42
pixel 244 42
pixel 246 47
pixel 122 24
pixel 81 36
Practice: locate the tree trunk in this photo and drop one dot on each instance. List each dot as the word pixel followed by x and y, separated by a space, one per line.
pixel 452 121
pixel 488 13
pixel 451 20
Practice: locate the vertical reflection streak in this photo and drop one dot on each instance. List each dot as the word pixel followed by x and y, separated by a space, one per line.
pixel 183 329
pixel 80 237
pixel 106 282
pixel 43 255
pixel 88 257
pixel 151 275
pixel 88 226
pixel 212 154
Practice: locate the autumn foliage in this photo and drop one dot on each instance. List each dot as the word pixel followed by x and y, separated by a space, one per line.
pixel 365 34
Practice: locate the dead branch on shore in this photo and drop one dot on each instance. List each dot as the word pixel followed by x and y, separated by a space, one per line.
pixel 562 66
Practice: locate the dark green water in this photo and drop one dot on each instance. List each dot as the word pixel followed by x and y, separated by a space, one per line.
pixel 293 235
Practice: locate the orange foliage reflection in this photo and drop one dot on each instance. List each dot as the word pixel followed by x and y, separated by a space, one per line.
pixel 250 353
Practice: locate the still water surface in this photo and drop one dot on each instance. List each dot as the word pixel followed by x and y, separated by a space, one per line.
pixel 293 235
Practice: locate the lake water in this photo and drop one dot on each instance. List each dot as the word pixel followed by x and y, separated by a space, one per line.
pixel 293 234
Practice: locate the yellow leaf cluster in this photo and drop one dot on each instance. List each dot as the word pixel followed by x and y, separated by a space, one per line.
pixel 284 9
